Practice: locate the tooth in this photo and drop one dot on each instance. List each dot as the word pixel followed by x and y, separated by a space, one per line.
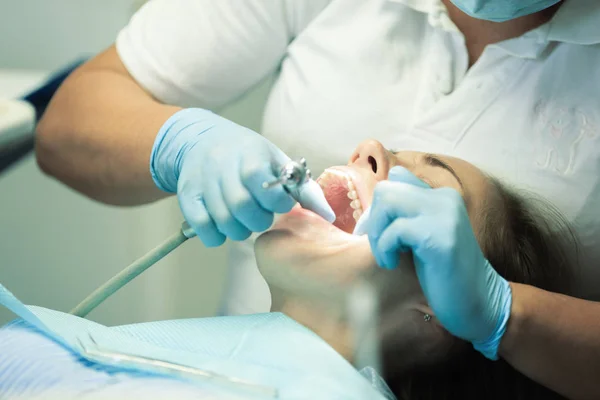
pixel 350 185
pixel 356 214
pixel 356 204
pixel 336 173
pixel 352 195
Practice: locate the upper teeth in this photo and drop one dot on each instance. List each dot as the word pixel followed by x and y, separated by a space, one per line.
pixel 352 194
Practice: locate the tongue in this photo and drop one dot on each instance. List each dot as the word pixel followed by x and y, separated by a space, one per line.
pixel 336 193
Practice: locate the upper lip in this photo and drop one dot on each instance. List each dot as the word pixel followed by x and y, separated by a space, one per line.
pixel 359 184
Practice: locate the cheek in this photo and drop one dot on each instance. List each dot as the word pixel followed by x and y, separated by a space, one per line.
pixel 408 342
pixel 400 284
pixel 400 293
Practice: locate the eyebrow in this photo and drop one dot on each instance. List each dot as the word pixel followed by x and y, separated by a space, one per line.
pixel 433 161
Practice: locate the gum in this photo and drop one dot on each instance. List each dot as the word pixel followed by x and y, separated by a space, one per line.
pixel 336 193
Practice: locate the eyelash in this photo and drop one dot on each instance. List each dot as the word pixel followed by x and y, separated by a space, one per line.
pixel 428 181
pixel 429 160
pixel 434 162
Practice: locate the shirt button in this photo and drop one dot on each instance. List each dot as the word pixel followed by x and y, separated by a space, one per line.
pixel 445 90
pixel 444 85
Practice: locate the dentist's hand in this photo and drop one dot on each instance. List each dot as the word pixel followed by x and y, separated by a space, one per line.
pixel 217 169
pixel 470 299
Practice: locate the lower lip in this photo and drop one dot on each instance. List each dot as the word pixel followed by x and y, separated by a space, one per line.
pixel 303 212
pixel 304 215
pixel 305 223
pixel 308 227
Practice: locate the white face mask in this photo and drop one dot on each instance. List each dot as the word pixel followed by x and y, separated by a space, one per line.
pixel 502 10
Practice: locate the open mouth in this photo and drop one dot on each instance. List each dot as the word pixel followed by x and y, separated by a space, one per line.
pixel 342 190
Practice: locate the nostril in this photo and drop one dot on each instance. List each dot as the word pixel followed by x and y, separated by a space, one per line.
pixel 373 163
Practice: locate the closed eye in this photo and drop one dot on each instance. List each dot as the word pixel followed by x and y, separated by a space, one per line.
pixel 433 161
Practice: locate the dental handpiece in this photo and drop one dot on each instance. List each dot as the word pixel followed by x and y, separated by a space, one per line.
pixel 293 175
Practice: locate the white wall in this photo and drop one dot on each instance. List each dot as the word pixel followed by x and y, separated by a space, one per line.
pixel 57 246
pixel 46 34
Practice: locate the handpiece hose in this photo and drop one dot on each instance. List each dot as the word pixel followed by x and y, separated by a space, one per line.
pixel 132 271
pixel 294 176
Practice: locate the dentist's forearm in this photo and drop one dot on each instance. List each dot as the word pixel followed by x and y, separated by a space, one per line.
pixel 97 133
pixel 555 340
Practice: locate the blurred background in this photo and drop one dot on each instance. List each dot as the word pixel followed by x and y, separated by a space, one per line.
pixel 57 246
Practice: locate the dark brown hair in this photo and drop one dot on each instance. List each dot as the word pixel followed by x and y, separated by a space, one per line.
pixel 527 241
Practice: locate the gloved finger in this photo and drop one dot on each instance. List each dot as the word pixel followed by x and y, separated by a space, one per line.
pixel 396 174
pixel 362 225
pixel 403 175
pixel 277 155
pixel 242 204
pixel 311 197
pixel 226 223
pixel 398 237
pixel 253 174
pixel 392 200
pixel 195 213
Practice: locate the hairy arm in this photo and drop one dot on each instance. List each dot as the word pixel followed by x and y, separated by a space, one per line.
pixel 97 133
pixel 555 340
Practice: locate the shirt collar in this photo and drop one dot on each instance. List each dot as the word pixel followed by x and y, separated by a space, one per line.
pixel 437 14
pixel 575 22
pixel 425 6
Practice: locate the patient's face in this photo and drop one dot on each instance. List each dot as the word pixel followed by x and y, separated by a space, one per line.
pixel 304 243
pixel 303 238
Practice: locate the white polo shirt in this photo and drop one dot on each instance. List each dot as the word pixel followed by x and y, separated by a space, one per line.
pixel 527 112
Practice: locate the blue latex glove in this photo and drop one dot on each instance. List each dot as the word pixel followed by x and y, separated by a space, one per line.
pixel 217 169
pixel 470 299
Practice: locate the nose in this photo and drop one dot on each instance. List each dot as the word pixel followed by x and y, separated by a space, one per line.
pixel 371 155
